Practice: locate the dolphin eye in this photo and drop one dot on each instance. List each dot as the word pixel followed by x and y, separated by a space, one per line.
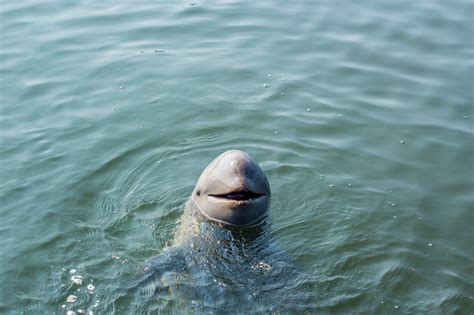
pixel 198 193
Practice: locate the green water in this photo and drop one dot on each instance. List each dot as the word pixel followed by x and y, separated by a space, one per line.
pixel 361 115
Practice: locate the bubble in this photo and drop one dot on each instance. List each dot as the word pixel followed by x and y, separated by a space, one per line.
pixel 283 94
pixel 70 312
pixel 350 185
pixel 276 132
pixel 331 186
pixel 308 109
pixel 77 279
pixel 429 244
pixel 395 217
pixel 262 265
pixel 91 287
pixel 122 87
pixel 72 271
pixel 339 115
pixel 396 306
pixel 71 299
pixel 266 85
pixel 284 79
pixel 269 75
pixel 402 141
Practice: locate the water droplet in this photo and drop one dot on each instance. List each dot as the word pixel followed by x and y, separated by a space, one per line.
pixel 266 85
pixel 269 75
pixel 71 299
pixel 396 306
pixel 276 132
pixel 308 109
pixel 393 204
pixel 402 141
pixel 395 217
pixel 429 244
pixel 122 87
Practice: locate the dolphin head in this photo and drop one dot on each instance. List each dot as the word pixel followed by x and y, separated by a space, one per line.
pixel 233 190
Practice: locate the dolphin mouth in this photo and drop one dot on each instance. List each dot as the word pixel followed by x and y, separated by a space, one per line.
pixel 243 195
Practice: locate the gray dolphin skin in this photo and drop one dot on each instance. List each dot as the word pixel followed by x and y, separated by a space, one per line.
pixel 232 190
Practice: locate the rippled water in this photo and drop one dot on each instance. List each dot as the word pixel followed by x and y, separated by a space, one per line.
pixel 361 115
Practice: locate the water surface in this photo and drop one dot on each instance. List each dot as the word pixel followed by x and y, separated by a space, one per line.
pixel 361 115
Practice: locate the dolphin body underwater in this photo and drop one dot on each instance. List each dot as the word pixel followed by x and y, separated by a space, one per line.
pixel 223 257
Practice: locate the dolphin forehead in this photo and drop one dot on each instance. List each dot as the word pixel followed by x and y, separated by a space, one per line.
pixel 233 170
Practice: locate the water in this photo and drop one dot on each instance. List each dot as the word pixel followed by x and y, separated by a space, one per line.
pixel 359 113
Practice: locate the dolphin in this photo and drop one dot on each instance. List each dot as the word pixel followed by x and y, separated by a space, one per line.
pixel 222 253
pixel 232 190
